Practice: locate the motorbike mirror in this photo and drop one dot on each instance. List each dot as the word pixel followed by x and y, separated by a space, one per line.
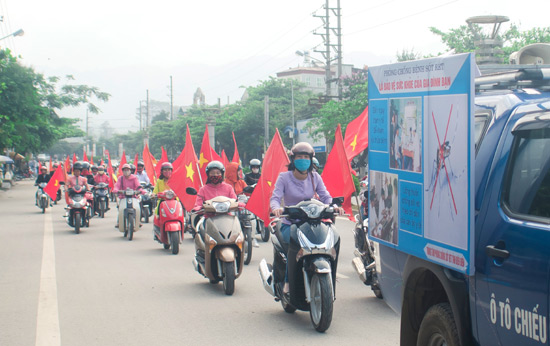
pixel 338 201
pixel 191 191
pixel 248 189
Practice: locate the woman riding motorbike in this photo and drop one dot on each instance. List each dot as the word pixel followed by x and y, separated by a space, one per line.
pixel 232 177
pixel 126 181
pixel 300 183
pixel 162 182
pixel 214 185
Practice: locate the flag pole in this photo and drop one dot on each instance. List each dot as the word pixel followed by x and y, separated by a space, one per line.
pixel 199 172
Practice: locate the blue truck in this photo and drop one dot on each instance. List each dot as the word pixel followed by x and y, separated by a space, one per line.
pixel 506 300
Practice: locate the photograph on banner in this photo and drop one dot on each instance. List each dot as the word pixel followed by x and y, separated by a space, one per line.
pixel 384 206
pixel 445 198
pixel 406 134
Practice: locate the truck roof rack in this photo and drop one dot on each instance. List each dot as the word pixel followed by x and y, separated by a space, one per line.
pixel 513 77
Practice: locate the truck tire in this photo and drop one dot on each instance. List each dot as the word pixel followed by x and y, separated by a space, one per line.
pixel 438 327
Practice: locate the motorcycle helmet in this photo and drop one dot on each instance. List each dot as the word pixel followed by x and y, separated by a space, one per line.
pixel 215 165
pixel 78 166
pixel 132 168
pixel 302 148
pixel 43 168
pixel 85 165
pixel 94 168
pixel 315 162
pixel 126 166
pixel 140 164
pixel 255 163
pixel 166 165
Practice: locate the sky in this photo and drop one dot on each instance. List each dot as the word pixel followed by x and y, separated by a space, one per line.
pixel 128 47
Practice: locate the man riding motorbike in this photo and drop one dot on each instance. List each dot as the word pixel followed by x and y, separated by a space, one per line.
pixel 141 174
pixel 43 177
pixel 101 177
pixel 254 175
pixel 75 179
pixel 127 181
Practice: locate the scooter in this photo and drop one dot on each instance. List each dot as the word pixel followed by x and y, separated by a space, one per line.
pixel 129 213
pixel 219 242
pixel 90 198
pixel 364 261
pixel 147 202
pixel 42 199
pixel 101 198
pixel 312 260
pixel 77 211
pixel 169 222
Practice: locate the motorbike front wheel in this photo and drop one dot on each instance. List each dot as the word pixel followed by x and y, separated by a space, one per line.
pixel 175 242
pixel 247 246
pixel 130 228
pixel 76 222
pixel 229 277
pixel 321 301
pixel 264 231
pixel 102 209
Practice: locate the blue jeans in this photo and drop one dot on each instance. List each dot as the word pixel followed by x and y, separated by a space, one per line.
pixel 285 232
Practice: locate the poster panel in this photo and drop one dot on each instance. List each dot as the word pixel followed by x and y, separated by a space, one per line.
pixel 421 158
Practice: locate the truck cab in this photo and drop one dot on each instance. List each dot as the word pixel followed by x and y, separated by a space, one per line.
pixel 505 302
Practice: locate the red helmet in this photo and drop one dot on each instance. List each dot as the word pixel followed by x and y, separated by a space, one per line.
pixel 43 168
pixel 126 166
pixel 166 165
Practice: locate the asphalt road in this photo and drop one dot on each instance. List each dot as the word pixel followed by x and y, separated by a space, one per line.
pixel 97 288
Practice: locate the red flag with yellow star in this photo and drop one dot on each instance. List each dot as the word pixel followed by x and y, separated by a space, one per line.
pixel 149 167
pixel 187 174
pixel 53 184
pixel 225 160
pixel 163 159
pixel 275 162
pixel 357 135
pixel 337 173
pixel 207 154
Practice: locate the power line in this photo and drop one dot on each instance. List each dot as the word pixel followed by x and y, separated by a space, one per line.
pixel 404 17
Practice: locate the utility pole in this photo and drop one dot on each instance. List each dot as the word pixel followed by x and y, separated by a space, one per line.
pixel 140 117
pixel 328 46
pixel 293 121
pixel 147 121
pixel 171 101
pixel 266 122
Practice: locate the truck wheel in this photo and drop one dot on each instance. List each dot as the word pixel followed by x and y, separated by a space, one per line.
pixel 438 327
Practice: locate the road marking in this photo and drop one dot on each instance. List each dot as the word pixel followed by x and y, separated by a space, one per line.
pixel 47 319
pixel 342 276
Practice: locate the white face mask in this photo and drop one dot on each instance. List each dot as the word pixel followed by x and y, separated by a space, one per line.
pixel 126 172
pixel 255 170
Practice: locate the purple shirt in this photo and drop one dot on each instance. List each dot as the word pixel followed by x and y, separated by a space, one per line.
pixel 293 190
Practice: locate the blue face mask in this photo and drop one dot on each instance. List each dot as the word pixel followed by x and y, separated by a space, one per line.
pixel 302 164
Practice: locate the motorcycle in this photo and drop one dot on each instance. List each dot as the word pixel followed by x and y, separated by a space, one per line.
pixel 128 212
pixel 312 260
pixel 90 198
pixel 77 211
pixel 364 261
pixel 245 219
pixel 219 243
pixel 42 198
pixel 101 198
pixel 169 222
pixel 147 202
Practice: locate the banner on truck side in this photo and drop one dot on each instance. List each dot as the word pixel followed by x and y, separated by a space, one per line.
pixel 421 158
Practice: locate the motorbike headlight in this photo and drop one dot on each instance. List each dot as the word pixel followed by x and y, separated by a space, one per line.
pixel 163 212
pixel 307 247
pixel 129 193
pixel 169 195
pixel 221 207
pixel 313 211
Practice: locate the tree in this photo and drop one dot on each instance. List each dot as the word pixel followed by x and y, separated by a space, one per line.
pixel 161 116
pixel 463 38
pixel 28 104
pixel 407 55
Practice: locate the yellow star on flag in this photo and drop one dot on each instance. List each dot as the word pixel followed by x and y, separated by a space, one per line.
pixel 269 183
pixel 190 171
pixel 202 160
pixel 56 182
pixel 354 143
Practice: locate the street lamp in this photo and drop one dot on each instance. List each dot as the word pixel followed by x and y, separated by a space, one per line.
pixel 292 111
pixel 19 32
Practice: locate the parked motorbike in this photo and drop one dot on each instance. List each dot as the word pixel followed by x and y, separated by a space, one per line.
pixel 312 260
pixel 42 198
pixel 169 222
pixel 364 262
pixel 147 202
pixel 101 198
pixel 77 211
pixel 129 212
pixel 219 242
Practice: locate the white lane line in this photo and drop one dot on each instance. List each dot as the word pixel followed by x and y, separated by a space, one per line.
pixel 47 319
